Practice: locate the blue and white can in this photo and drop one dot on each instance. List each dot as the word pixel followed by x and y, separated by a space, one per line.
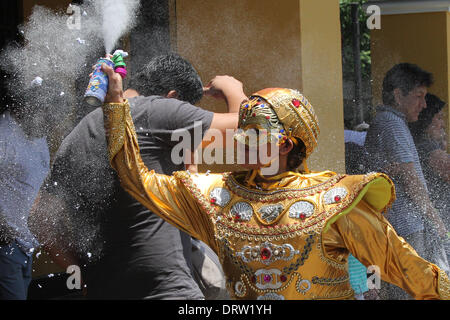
pixel 98 84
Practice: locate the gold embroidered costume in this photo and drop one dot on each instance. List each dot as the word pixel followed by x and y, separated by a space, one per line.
pixel 286 238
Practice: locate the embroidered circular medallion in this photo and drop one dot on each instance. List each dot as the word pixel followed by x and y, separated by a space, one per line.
pixel 334 195
pixel 220 197
pixel 301 210
pixel 242 210
pixel 303 286
pixel 268 279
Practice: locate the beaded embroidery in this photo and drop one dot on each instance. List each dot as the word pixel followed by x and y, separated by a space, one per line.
pixel 271 296
pixel 315 223
pixel 336 295
pixel 240 290
pixel 302 285
pixel 117 114
pixel 228 252
pixel 303 257
pixel 267 253
pixel 277 195
pixel 444 285
pixel 330 262
pixel 268 279
pixel 330 281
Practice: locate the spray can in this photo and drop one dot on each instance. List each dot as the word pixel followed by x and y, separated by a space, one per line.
pixel 98 84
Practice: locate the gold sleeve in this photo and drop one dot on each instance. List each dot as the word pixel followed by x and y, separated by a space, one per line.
pixel 164 195
pixel 373 241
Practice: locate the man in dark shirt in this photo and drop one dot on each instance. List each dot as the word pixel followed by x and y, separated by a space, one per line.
pixel 125 251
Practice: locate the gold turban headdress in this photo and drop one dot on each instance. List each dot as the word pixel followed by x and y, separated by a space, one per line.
pixel 282 114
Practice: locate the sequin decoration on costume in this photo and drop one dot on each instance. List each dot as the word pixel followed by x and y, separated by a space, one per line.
pixel 271 212
pixel 258 123
pixel 275 196
pixel 227 252
pixel 301 210
pixel 295 112
pixel 271 296
pixel 220 197
pixel 268 279
pixel 267 253
pixel 242 211
pixel 334 195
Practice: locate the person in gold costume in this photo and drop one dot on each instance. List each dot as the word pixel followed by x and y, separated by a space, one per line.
pixel 282 236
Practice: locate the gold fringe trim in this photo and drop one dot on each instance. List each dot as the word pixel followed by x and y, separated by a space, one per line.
pixel 444 285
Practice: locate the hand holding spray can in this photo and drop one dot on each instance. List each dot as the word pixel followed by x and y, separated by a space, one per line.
pixel 98 84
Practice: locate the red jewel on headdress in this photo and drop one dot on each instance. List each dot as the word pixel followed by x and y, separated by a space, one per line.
pixel 265 253
pixel 337 198
pixel 254 114
pixel 213 200
pixel 267 117
pixel 283 278
pixel 302 216
pixel 296 103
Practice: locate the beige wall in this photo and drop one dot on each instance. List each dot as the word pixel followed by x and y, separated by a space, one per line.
pixel 421 38
pixel 291 43
pixel 322 78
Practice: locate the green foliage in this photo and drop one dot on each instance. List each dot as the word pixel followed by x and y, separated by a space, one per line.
pixel 347 46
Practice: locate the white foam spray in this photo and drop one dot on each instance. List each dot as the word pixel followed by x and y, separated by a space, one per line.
pixel 119 17
pixel 44 77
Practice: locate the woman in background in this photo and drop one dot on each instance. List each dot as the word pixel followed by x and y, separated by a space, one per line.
pixel 431 142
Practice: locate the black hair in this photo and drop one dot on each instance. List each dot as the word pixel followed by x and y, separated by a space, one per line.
pixel 296 156
pixel 434 105
pixel 168 72
pixel 405 76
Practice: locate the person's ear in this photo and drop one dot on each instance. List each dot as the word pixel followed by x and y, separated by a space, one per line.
pixel 172 94
pixel 286 147
pixel 398 94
